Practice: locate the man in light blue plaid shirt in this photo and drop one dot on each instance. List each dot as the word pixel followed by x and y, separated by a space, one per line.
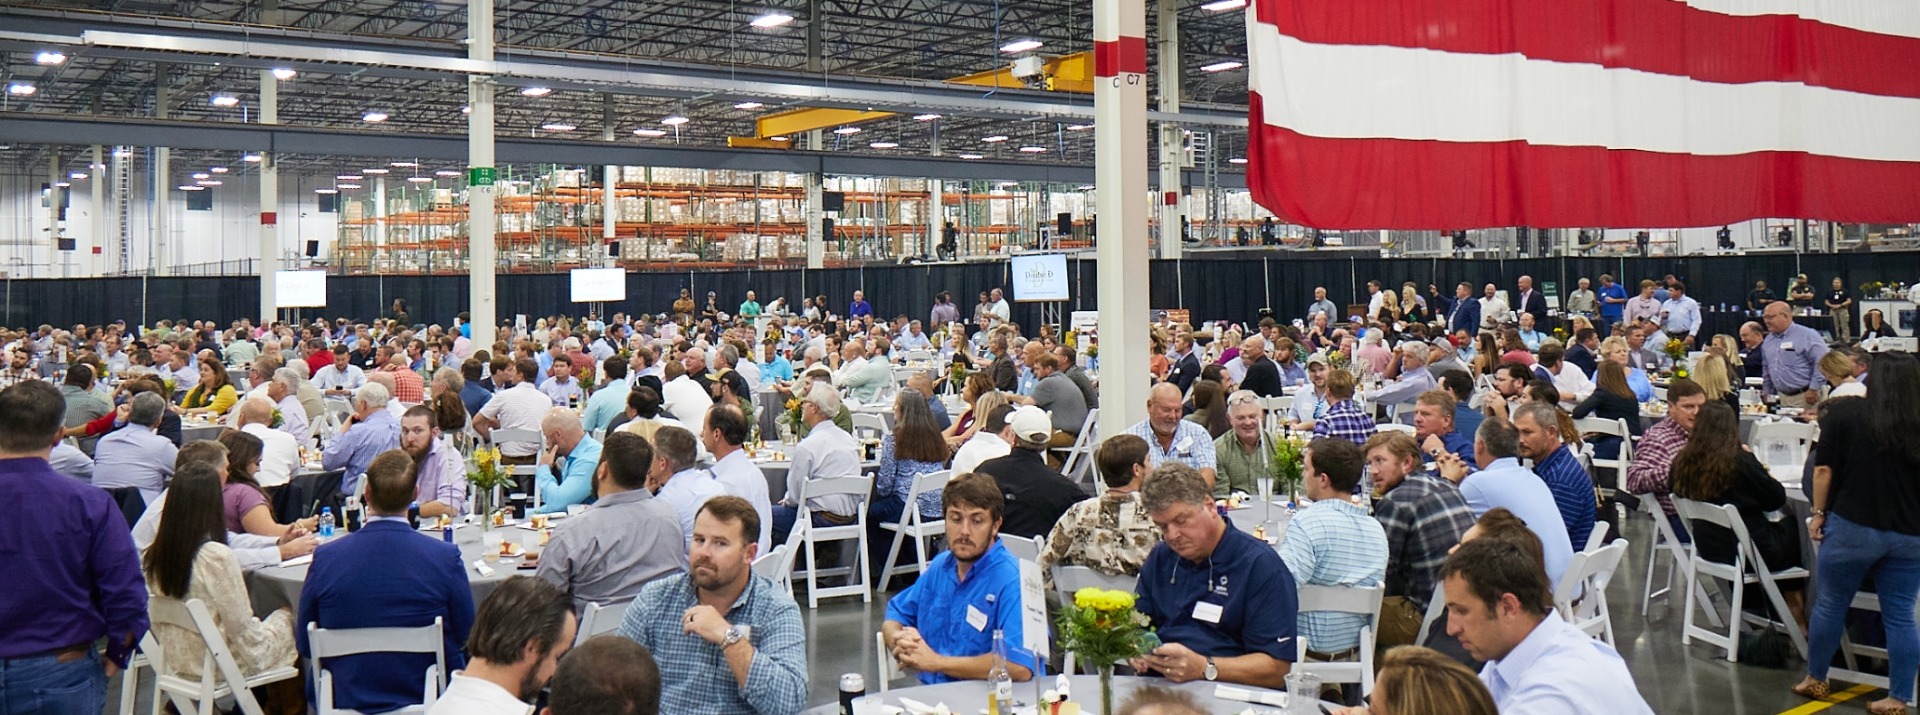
pixel 1171 438
pixel 1334 542
pixel 726 640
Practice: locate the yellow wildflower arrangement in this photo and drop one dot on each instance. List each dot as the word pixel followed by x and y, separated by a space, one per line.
pixel 1102 628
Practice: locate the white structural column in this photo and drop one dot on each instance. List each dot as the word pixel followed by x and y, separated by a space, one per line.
pixel 97 178
pixel 480 176
pixel 269 201
pixel 54 179
pixel 1120 147
pixel 610 180
pixel 1172 198
pixel 816 214
pixel 160 249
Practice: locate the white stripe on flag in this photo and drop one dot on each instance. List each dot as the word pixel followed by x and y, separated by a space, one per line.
pixel 1353 92
pixel 1886 17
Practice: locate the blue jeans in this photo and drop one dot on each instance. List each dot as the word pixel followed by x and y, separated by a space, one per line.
pixel 783 520
pixel 1847 554
pixel 41 685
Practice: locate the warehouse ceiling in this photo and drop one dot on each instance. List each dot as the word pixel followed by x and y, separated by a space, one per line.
pixel 885 40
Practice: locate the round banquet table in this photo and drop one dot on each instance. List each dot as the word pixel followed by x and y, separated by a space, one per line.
pixel 190 431
pixel 276 587
pixel 775 470
pixel 970 696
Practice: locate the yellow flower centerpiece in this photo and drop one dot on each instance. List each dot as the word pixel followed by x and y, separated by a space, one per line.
pixel 486 476
pixel 1676 349
pixel 1102 628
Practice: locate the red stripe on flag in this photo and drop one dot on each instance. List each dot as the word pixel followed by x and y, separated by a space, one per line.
pixel 1659 36
pixel 1111 58
pixel 1430 185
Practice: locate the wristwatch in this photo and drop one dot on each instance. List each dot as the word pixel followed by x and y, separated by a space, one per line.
pixel 732 636
pixel 1211 672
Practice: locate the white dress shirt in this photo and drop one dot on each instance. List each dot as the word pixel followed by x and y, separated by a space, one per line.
pixel 1560 670
pixel 981 447
pixel 279 454
pixel 1573 384
pixel 739 476
pixel 685 491
pixel 687 402
pixel 827 451
pixel 466 695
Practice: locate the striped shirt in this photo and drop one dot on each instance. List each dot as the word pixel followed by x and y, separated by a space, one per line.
pixel 1424 517
pixel 1191 445
pixel 1572 491
pixel 1334 543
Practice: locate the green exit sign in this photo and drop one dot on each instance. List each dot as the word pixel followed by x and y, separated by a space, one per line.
pixel 482 175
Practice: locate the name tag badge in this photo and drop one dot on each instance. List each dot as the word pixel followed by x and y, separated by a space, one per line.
pixel 1786 345
pixel 1209 612
pixel 1183 444
pixel 976 618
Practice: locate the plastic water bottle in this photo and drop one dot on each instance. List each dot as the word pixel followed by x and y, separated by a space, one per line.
pixel 326 522
pixel 999 680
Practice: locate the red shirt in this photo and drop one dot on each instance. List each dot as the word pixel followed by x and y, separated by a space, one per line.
pixel 408 387
pixel 319 359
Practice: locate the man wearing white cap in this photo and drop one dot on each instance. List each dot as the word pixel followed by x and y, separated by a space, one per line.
pixel 1036 495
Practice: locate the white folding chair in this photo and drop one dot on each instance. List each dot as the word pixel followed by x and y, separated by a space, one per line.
pixel 336 642
pixel 130 678
pixel 1850 650
pixel 1614 428
pixel 1598 537
pixel 867 425
pixel 1436 608
pixel 806 537
pixel 1748 567
pixel 220 675
pixel 600 618
pixel 1783 444
pixel 1680 554
pixel 777 565
pixel 1276 409
pixel 1080 454
pixel 913 525
pixel 1581 595
pixel 526 474
pixel 1359 600
pixel 886 668
pixel 1383 427
pixel 1024 548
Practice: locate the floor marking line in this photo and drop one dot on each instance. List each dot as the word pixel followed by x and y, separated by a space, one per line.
pixel 1832 700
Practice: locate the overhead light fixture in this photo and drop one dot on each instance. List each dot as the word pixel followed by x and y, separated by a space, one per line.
pixel 847 131
pixel 925 117
pixel 404 164
pixel 224 100
pixel 373 117
pixel 674 120
pixel 346 186
pixel 650 132
pixel 62 184
pixel 466 110
pixel 420 179
pixel 251 158
pixel 558 127
pixel 376 172
pixel 1237 160
pixel 283 74
pixel 1223 66
pixel 1033 150
pixel 995 139
pixel 1224 5
pixel 208 182
pixel 348 177
pixel 78 176
pixel 122 153
pixel 447 173
pixel 203 175
pixel 748 105
pixel 779 139
pixel 326 191
pixel 1021 46
pixel 191 187
pixel 49 57
pixel 218 170
pixel 884 145
pixel 972 156
pixel 536 91
pixel 21 89
pixel 771 20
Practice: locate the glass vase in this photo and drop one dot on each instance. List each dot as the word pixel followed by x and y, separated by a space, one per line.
pixel 483 508
pixel 1106 689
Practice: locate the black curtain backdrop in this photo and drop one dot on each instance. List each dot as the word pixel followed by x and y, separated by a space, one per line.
pixel 1212 289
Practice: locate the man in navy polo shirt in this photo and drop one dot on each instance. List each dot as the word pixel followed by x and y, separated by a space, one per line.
pixel 1222 601
pixel 943 624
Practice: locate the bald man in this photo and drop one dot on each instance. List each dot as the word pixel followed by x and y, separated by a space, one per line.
pixel 1170 438
pixel 1262 375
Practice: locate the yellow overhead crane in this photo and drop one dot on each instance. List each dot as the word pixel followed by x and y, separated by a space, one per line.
pixel 1067 73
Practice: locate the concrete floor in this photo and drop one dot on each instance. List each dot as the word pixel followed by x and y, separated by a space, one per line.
pixel 1675 679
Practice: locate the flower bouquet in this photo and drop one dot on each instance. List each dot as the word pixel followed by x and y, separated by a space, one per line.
pixel 1676 350
pixel 1101 627
pixel 485 476
pixel 790 422
pixel 1287 461
pixel 1338 360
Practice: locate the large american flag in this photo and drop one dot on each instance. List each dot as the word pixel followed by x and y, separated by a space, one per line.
pixel 1447 114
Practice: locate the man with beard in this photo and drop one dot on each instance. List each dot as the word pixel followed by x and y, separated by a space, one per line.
pixel 626 541
pixel 386 576
pixel 943 624
pixel 518 637
pixel 440 473
pixel 748 653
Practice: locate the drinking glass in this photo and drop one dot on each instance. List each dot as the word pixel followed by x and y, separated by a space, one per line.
pixel 1303 694
pixel 1265 485
pixel 490 541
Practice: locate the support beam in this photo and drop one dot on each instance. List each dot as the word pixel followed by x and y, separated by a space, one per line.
pixel 1120 147
pixel 609 183
pixel 1172 198
pixel 1066 73
pixel 54 179
pixel 481 250
pixel 792 123
pixel 269 202
pixel 159 247
pixel 98 176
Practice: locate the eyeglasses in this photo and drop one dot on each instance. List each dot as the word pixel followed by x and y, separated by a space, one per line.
pixel 1247 399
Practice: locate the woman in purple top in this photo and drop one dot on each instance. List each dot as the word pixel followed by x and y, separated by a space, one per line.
pixel 244 503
